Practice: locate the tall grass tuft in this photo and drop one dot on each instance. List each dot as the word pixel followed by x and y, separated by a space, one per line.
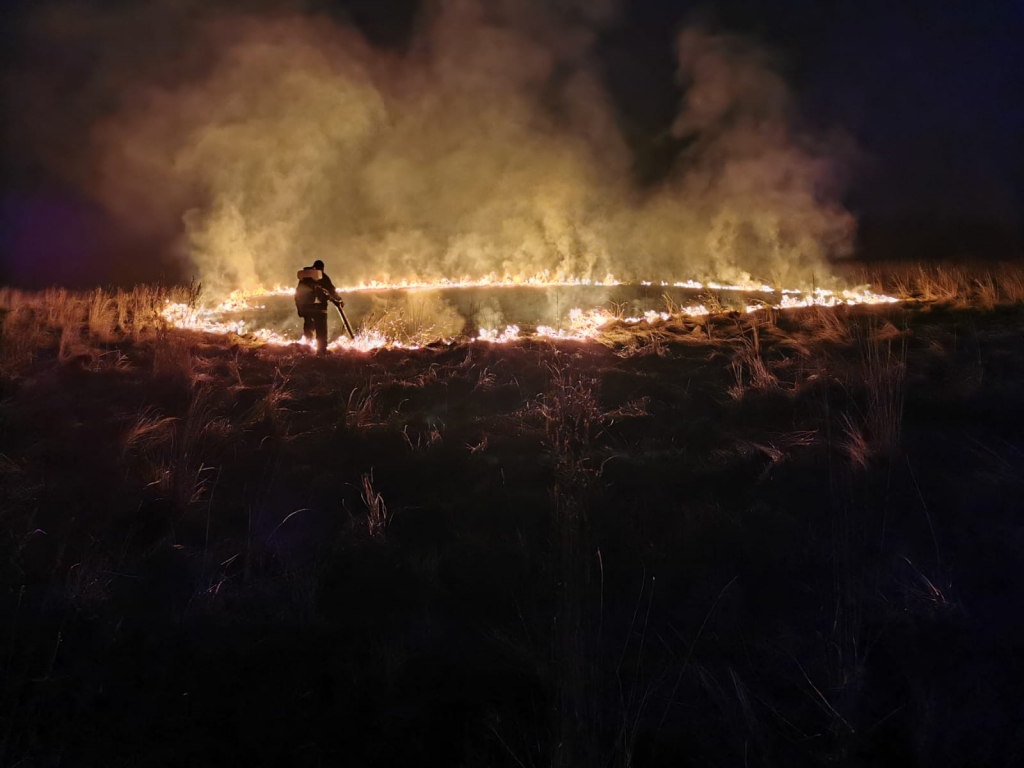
pixel 174 358
pixel 21 338
pixel 70 344
pixel 1010 279
pixel 102 316
pixel 270 409
pixel 876 428
pixel 363 408
pixel 978 286
pixel 150 428
pixel 189 471
pixel 378 518
pixel 573 422
pixel 176 455
pixel 749 368
pixel 572 419
pixel 34 321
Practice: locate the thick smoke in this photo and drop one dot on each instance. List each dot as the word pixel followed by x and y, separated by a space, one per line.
pixel 489 146
pixel 756 199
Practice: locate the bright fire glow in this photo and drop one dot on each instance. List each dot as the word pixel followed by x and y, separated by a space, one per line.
pixel 583 324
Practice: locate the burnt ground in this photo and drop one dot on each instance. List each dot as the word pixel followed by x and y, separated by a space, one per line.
pixel 784 540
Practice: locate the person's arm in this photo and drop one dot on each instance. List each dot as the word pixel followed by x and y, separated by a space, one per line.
pixel 332 292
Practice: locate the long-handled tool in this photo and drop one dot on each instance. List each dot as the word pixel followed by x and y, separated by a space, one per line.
pixel 348 328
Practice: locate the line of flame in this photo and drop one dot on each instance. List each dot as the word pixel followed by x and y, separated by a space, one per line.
pixel 583 325
pixel 239 299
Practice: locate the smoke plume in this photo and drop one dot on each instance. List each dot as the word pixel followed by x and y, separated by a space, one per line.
pixel 488 145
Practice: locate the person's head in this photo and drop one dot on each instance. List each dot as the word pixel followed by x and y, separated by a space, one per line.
pixel 318 265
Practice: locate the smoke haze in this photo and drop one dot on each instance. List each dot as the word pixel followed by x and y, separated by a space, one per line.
pixel 264 141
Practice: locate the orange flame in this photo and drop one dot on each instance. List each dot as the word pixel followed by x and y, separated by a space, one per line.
pixel 583 324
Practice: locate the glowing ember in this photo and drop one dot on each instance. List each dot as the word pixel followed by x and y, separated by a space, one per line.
pixel 583 324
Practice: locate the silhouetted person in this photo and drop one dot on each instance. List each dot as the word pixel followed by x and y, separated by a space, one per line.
pixel 312 295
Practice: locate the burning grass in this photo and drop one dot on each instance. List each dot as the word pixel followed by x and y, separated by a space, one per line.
pixel 409 315
pixel 80 321
pixel 779 536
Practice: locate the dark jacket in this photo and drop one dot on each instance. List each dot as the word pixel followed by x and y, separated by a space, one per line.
pixel 312 296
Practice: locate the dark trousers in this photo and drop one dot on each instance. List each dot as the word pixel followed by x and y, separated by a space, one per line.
pixel 316 322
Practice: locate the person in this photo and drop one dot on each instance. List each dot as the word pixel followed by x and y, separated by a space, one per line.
pixel 312 295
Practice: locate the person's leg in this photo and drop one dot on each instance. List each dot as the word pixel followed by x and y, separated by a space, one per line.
pixel 321 332
pixel 307 327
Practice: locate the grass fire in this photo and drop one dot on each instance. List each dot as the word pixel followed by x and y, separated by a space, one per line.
pixel 508 383
pixel 442 308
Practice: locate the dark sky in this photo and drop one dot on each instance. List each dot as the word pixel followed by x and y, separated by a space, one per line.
pixel 932 94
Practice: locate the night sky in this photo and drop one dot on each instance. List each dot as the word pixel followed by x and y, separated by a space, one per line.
pixel 927 97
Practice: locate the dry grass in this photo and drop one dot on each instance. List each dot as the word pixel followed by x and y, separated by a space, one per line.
pixel 149 429
pixel 415 318
pixel 826 324
pixel 378 518
pixel 72 344
pixel 874 430
pixel 364 409
pixel 567 539
pixel 425 440
pixel 270 410
pixel 748 366
pixel 177 456
pixel 73 324
pixel 68 322
pixel 572 416
pixel 21 339
pixel 643 342
pixel 174 357
pixel 884 364
pixel 188 471
pixel 102 317
pixel 977 286
pixel 1011 283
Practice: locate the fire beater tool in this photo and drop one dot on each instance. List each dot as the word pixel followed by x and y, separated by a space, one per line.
pixel 348 328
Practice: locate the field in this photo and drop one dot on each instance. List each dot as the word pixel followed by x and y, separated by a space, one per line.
pixel 779 539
